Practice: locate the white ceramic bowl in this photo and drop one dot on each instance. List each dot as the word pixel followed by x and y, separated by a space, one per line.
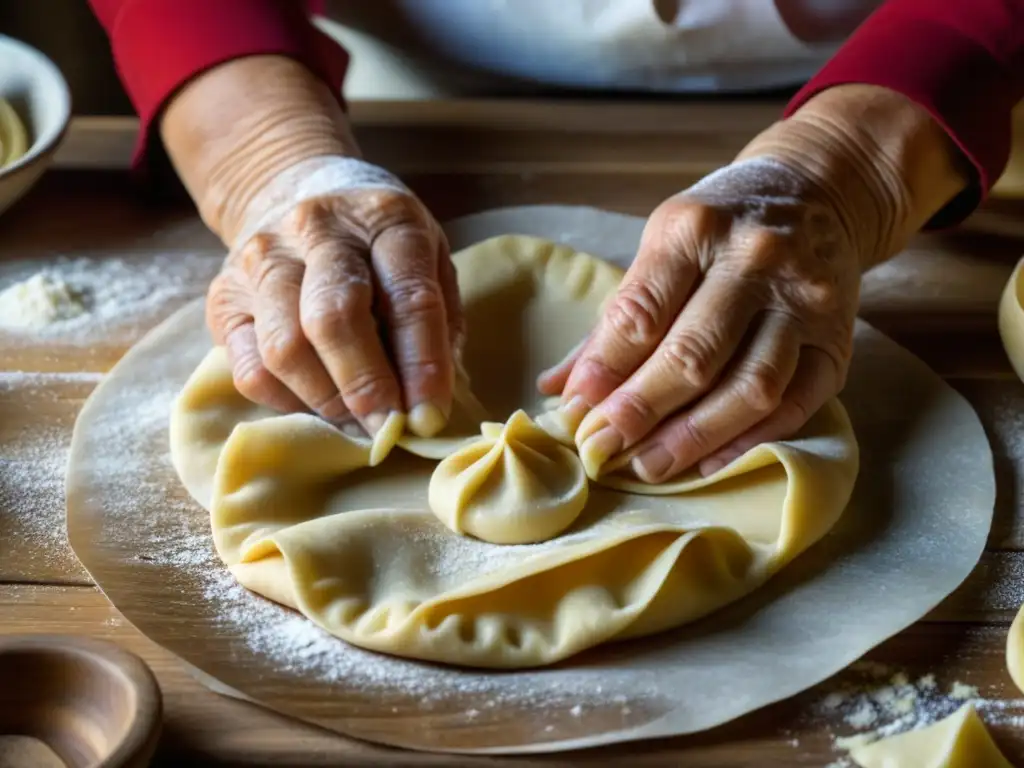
pixel 39 94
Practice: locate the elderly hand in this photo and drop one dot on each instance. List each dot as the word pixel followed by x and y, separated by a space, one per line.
pixel 337 295
pixel 344 304
pixel 734 324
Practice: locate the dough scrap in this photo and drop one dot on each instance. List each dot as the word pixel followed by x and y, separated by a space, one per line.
pixel 516 485
pixel 958 741
pixel 1011 331
pixel 299 516
pixel 1011 319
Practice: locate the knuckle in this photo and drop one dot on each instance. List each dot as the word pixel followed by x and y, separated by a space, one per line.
pixel 414 298
pixel 634 413
pixel 282 348
pixel 227 306
pixel 820 297
pixel 691 358
pixel 763 249
pixel 419 371
pixel 252 379
pixel 254 251
pixel 691 439
pixel 799 412
pixel 363 390
pixel 273 268
pixel 329 309
pixel 761 386
pixel 636 314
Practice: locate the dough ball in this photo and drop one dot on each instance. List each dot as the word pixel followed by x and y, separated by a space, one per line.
pixel 516 485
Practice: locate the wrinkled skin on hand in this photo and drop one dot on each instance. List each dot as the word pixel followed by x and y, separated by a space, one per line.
pixel 348 307
pixel 731 328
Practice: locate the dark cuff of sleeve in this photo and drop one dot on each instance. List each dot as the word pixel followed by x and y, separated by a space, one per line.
pixel 961 84
pixel 159 45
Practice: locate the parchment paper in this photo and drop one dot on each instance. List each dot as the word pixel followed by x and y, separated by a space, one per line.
pixel 914 530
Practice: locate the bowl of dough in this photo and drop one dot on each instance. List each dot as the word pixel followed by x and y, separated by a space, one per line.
pixel 35 109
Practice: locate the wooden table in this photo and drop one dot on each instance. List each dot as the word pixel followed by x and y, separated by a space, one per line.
pixel 939 301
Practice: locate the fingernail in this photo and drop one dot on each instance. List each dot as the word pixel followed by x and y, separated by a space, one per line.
pixel 352 428
pixel 598 448
pixel 374 422
pixel 335 411
pixel 652 463
pixel 386 436
pixel 591 424
pixel 576 408
pixel 710 466
pixel 426 420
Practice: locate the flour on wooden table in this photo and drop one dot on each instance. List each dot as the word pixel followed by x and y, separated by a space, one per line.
pixel 39 301
pixel 877 701
pixel 88 298
pixel 33 457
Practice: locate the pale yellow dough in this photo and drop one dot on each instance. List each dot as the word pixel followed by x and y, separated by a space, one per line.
pixel 516 485
pixel 299 516
pixel 1011 330
pixel 1011 318
pixel 959 741
pixel 13 138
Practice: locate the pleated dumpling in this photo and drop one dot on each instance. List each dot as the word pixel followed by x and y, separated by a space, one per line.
pixel 516 485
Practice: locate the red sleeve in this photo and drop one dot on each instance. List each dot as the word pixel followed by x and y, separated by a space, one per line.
pixel 159 45
pixel 962 60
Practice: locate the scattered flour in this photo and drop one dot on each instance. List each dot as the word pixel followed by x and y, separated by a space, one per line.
pixel 87 298
pixel 880 702
pixel 40 301
pixel 148 519
pixel 33 454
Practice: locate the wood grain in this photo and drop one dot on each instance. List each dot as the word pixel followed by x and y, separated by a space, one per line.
pixel 202 728
pixel 937 300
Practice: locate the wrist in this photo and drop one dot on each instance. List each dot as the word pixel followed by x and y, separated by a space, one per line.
pixel 236 126
pixel 878 158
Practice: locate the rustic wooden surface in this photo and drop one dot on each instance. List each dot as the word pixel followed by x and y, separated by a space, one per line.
pixel 938 300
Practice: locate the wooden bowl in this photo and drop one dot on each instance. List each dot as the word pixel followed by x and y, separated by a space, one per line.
pixel 37 91
pixel 90 702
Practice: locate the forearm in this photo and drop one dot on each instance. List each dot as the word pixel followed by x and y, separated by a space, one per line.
pixel 877 155
pixel 961 61
pixel 237 125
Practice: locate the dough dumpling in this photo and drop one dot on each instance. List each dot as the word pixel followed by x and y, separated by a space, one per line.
pixel 516 485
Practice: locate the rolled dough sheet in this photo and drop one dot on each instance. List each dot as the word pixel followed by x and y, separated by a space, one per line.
pixel 300 515
pixel 958 741
pixel 914 529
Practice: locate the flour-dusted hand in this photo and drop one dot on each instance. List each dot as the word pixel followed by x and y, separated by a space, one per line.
pixel 735 320
pixel 734 324
pixel 339 296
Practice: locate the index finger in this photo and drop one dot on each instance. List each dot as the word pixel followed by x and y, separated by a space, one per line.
pixel 652 292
